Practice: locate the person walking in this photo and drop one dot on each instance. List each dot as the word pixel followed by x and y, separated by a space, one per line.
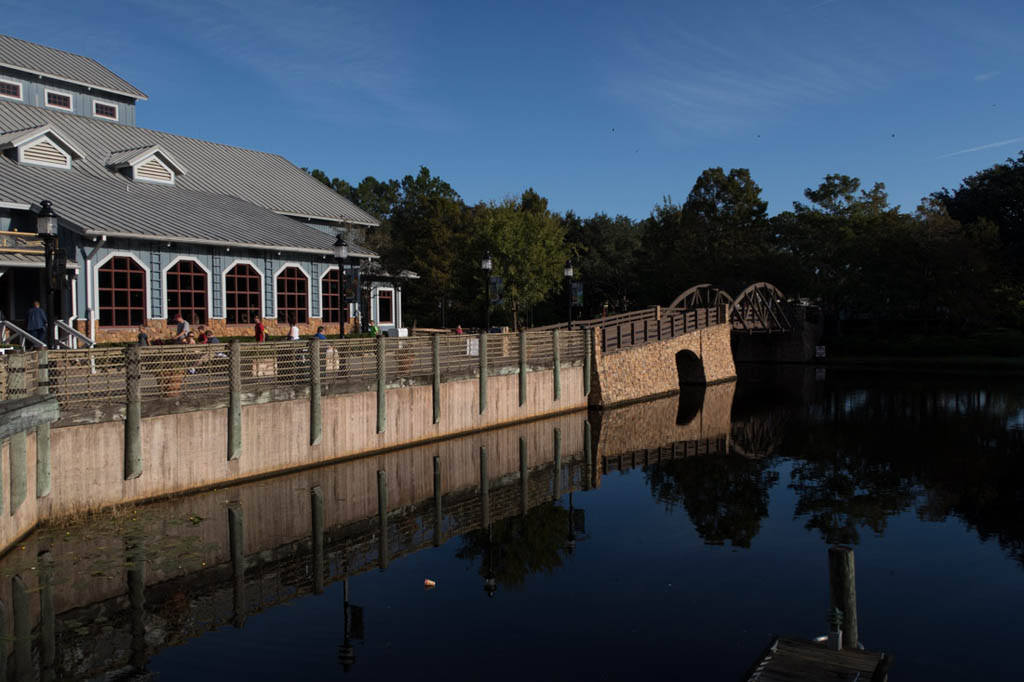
pixel 374 329
pixel 259 329
pixel 35 322
pixel 293 330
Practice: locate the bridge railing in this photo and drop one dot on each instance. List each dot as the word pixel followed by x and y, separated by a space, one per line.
pixel 672 322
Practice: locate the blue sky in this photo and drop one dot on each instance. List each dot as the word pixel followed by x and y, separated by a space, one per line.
pixel 599 106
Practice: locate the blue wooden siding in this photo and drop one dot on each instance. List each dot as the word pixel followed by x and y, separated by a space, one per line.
pixel 33 93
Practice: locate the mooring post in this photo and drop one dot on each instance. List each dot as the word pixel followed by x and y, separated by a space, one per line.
pixel 47 618
pixel 236 539
pixel 588 350
pixel 234 400
pixel 316 414
pixel 382 371
pixel 22 631
pixel 136 576
pixel 438 518
pixel 558 363
pixel 482 352
pixel 316 508
pixel 485 487
pixel 435 346
pixel 133 413
pixel 19 441
pixel 382 513
pixel 522 367
pixel 43 432
pixel 524 476
pixel 588 464
pixel 558 465
pixel 842 584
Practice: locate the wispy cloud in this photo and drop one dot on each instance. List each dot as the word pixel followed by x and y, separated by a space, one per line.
pixel 991 145
pixel 986 76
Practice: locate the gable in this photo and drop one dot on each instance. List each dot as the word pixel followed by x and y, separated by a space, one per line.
pixel 44 152
pixel 154 170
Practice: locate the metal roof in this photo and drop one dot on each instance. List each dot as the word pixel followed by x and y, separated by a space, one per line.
pixel 16 138
pixel 47 61
pixel 116 207
pixel 130 157
pixel 267 180
pixel 29 260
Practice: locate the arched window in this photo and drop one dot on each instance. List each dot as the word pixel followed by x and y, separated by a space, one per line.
pixel 186 292
pixel 292 295
pixel 242 286
pixel 331 300
pixel 121 287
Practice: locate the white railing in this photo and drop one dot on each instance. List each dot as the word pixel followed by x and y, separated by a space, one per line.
pixel 70 338
pixel 11 333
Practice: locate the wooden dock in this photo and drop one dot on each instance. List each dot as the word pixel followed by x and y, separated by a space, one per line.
pixel 787 659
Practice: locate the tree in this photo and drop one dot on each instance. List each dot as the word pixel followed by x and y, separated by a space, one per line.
pixel 606 252
pixel 996 195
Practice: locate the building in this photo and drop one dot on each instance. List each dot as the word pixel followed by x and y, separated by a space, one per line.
pixel 153 224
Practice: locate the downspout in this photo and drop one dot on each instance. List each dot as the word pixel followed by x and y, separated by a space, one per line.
pixel 90 314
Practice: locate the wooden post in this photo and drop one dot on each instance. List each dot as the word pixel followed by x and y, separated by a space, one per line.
pixel 556 488
pixel 47 619
pixel 234 400
pixel 842 585
pixel 435 347
pixel 19 441
pixel 645 330
pixel 557 366
pixel 482 352
pixel 43 432
pixel 133 413
pixel 316 414
pixel 632 333
pixel 438 516
pixel 382 513
pixel 618 336
pixel 604 339
pixel 524 476
pixel 590 464
pixel 382 371
pixel 236 539
pixel 522 367
pixel 587 352
pixel 136 575
pixel 485 489
pixel 316 507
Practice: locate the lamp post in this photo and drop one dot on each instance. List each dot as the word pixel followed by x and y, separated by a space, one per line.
pixel 487 265
pixel 46 227
pixel 341 256
pixel 568 286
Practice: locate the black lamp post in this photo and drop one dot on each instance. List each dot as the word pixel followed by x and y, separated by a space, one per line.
pixel 46 227
pixel 568 287
pixel 487 265
pixel 341 256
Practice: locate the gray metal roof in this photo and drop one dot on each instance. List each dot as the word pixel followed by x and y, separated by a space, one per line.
pixel 29 260
pixel 267 180
pixel 47 61
pixel 129 157
pixel 117 207
pixel 16 137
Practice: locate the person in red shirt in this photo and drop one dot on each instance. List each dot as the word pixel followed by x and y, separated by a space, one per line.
pixel 261 331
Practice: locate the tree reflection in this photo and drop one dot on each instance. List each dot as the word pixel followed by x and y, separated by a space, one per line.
pixel 726 496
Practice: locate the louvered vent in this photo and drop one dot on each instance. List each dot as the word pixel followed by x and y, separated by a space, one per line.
pixel 46 153
pixel 154 170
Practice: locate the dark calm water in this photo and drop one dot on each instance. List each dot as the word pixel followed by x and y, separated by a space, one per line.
pixel 698 527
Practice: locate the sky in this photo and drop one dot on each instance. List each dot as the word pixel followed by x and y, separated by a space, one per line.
pixel 599 106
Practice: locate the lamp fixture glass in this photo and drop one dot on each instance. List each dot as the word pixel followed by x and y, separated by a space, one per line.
pixel 486 264
pixel 46 221
pixel 568 268
pixel 340 247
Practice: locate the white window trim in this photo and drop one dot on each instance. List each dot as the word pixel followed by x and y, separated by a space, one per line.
pixel 96 289
pixel 224 287
pixel 46 136
pixel 209 285
pixel 321 281
pixel 117 110
pixel 21 90
pixel 155 156
pixel 309 286
pixel 376 307
pixel 69 95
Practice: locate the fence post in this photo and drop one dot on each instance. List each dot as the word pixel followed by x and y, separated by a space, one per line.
pixel 43 432
pixel 382 513
pixel 133 413
pixel 381 379
pixel 618 336
pixel 19 441
pixel 524 476
pixel 587 464
pixel 435 344
pixel 482 352
pixel 522 367
pixel 136 579
pixel 645 330
pixel 47 618
pixel 234 400
pixel 485 489
pixel 587 351
pixel 316 506
pixel 438 518
pixel 235 542
pixel 316 413
pixel 632 333
pixel 556 492
pixel 604 339
pixel 557 365
pixel 842 585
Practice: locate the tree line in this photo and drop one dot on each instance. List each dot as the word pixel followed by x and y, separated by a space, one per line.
pixel 953 263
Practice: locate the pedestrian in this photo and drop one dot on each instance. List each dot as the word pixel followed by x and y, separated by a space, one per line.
pixel 35 321
pixel 320 334
pixel 458 329
pixel 143 336
pixel 261 331
pixel 293 329
pixel 182 329
pixel 374 329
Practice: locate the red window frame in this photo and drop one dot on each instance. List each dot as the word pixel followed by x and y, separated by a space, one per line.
pixel 12 90
pixel 292 295
pixel 186 285
pixel 64 101
pixel 243 289
pixel 331 298
pixel 121 288
pixel 104 110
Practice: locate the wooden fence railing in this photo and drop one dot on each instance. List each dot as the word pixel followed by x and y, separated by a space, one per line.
pixel 618 335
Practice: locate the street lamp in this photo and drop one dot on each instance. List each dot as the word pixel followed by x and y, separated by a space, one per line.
pixel 487 265
pixel 46 227
pixel 568 286
pixel 341 255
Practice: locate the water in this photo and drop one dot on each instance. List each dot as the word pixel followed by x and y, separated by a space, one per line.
pixel 681 567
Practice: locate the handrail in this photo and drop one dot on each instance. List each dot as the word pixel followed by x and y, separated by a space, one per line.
pixel 72 333
pixel 16 333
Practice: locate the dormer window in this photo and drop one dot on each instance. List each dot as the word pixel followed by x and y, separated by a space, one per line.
pixel 147 164
pixel 10 90
pixel 104 110
pixel 58 100
pixel 40 146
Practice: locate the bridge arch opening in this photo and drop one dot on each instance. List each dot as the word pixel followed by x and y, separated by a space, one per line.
pixel 690 369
